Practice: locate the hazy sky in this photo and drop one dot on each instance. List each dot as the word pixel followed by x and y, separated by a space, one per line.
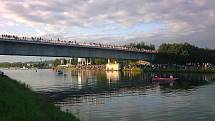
pixel 112 21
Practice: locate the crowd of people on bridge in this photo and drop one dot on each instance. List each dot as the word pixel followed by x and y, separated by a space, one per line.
pixel 74 43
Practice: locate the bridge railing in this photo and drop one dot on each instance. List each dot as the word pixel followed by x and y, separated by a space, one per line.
pixel 73 43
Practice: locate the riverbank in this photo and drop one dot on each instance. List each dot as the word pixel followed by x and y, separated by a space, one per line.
pixel 180 70
pixel 83 67
pixel 172 70
pixel 19 103
pixel 133 68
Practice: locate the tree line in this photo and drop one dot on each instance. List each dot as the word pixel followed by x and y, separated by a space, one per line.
pixel 20 65
pixel 142 45
pixel 184 53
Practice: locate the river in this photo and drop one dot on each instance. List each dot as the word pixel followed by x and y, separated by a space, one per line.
pixel 124 96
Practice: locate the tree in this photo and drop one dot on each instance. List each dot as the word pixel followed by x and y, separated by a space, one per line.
pixel 142 45
pixel 74 61
pixel 99 61
pixel 184 53
pixel 56 62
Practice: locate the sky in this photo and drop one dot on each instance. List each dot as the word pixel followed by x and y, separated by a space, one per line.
pixel 111 21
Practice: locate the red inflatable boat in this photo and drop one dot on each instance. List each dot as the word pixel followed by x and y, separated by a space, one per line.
pixel 163 79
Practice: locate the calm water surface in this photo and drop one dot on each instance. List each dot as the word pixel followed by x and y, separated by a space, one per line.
pixel 125 96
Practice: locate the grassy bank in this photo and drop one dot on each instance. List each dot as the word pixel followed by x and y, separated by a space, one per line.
pixel 19 103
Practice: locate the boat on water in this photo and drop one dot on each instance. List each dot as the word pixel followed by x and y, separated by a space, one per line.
pixel 164 79
pixel 157 78
pixel 60 72
pixel 1 73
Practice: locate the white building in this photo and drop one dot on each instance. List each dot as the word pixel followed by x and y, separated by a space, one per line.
pixel 84 61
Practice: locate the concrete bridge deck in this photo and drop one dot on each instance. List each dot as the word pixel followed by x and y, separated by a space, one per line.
pixel 34 48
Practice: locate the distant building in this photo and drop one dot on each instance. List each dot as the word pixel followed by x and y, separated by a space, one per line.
pixel 113 67
pixel 50 65
pixel 84 61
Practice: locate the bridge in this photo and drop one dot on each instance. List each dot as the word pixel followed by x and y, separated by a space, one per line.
pixel 39 48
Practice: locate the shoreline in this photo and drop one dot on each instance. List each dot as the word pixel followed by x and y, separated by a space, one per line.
pixel 180 70
pixel 19 102
pixel 131 69
pixel 139 69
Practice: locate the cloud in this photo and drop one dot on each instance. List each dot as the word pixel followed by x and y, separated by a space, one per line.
pixel 179 20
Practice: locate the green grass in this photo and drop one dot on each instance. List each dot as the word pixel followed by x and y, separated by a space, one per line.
pixel 19 103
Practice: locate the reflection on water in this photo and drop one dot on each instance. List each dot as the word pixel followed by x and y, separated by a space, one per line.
pixel 120 96
pixel 113 75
